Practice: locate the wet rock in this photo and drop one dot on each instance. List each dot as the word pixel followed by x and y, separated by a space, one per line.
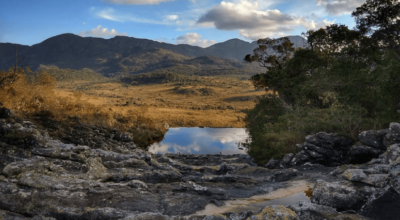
pixel 284 175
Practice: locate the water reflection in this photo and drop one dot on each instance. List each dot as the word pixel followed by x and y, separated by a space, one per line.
pixel 201 141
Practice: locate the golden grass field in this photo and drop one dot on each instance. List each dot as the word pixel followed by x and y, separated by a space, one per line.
pixel 219 104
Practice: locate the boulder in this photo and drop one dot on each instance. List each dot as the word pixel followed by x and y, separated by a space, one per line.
pixel 284 175
pixel 309 211
pixel 393 136
pixel 327 149
pixel 342 195
pixel 272 164
pixel 286 160
pixel 373 138
pixel 300 158
pixel 383 206
pixel 360 153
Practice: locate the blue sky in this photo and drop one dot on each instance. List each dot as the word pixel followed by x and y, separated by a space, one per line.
pixel 195 22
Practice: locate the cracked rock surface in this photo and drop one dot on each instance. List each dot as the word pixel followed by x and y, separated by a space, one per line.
pixel 44 177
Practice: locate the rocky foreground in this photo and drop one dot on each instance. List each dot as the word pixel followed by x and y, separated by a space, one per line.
pixel 96 173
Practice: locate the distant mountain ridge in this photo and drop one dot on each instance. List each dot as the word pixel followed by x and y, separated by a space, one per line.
pixel 119 53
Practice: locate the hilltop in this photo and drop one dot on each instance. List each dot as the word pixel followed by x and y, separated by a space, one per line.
pixel 129 55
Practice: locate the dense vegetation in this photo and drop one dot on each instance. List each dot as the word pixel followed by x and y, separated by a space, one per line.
pixel 345 81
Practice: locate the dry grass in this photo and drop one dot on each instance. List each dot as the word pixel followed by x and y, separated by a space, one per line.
pixel 39 99
pixel 219 104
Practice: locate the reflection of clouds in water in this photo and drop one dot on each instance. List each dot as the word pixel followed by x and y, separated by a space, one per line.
pixel 226 135
pixel 161 148
pixel 201 141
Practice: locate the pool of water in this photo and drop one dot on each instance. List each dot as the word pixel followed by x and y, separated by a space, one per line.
pixel 290 195
pixel 202 141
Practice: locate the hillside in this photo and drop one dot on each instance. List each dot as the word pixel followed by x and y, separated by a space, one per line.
pixel 128 54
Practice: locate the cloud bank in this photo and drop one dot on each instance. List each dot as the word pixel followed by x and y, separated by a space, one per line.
pixel 339 7
pixel 101 32
pixel 254 23
pixel 194 39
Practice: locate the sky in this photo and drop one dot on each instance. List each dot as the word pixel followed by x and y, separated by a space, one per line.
pixel 194 22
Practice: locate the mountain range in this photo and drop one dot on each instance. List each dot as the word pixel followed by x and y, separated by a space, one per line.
pixel 132 55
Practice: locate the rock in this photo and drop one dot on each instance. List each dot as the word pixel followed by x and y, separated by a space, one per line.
pixel 354 175
pixel 215 217
pixel 96 169
pixel 392 155
pixel 124 137
pixel 286 160
pixel 225 168
pixel 309 211
pixel 383 206
pixel 272 164
pixel 377 180
pixel 360 153
pixel 327 149
pixel 5 113
pixel 300 158
pixel 284 175
pixel 373 138
pixel 393 136
pixel 276 212
pixel 341 195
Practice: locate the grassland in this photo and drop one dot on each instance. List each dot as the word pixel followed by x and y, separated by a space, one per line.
pixel 209 101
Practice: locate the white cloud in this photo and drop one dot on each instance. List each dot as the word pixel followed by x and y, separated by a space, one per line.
pixel 254 23
pixel 172 17
pixel 101 32
pixel 194 39
pixel 339 7
pixel 111 14
pixel 137 2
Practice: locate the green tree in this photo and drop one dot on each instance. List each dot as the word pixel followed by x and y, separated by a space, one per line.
pixel 381 20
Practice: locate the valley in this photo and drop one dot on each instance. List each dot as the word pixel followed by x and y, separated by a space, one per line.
pixel 209 102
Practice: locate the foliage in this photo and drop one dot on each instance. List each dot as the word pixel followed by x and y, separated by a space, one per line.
pixel 380 18
pixel 343 82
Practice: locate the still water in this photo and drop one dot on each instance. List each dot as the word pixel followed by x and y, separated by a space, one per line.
pixel 202 141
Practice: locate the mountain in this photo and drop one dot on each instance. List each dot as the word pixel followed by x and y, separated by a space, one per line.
pixel 126 54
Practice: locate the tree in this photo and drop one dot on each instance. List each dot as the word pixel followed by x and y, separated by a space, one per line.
pixel 328 42
pixel 381 20
pixel 271 53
